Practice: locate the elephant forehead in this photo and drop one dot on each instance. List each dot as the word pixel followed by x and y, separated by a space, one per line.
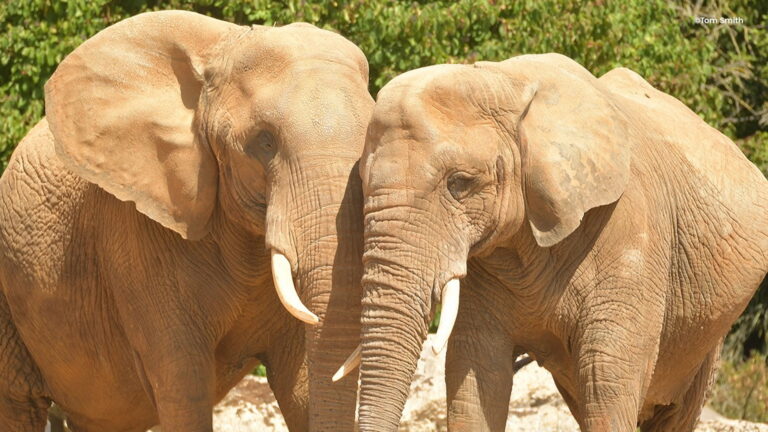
pixel 421 129
pixel 308 43
pixel 400 164
pixel 399 145
pixel 270 51
pixel 434 104
pixel 305 102
pixel 326 108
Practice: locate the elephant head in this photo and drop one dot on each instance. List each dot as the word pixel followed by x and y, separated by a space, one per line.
pixel 206 125
pixel 459 161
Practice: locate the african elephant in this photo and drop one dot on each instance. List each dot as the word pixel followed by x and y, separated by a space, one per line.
pixel 180 156
pixel 597 224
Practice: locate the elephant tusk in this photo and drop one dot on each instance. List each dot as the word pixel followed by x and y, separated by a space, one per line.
pixel 448 315
pixel 286 291
pixel 352 362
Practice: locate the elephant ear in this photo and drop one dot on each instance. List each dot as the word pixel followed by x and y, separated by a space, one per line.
pixel 574 143
pixel 122 108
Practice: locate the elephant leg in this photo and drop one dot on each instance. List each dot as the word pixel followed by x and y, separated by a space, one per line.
pixel 610 396
pixel 573 406
pixel 182 384
pixel 478 367
pixel 616 357
pixel 23 408
pixel 286 363
pixel 683 416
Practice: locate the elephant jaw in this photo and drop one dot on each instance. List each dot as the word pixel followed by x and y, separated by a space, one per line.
pixel 286 290
pixel 450 310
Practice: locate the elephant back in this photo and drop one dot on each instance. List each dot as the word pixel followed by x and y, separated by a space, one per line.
pixel 719 171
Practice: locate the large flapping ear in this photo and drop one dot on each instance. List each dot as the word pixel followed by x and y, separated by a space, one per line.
pixel 573 140
pixel 122 111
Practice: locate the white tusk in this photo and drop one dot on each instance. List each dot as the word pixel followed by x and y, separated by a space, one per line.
pixel 448 314
pixel 281 275
pixel 352 362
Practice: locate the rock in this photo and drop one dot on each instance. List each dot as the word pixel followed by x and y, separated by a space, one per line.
pixel 708 413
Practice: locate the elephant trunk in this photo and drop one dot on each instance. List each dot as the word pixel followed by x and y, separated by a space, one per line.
pixel 396 306
pixel 323 240
pixel 332 285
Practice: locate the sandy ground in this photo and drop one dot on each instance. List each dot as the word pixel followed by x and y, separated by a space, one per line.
pixel 535 405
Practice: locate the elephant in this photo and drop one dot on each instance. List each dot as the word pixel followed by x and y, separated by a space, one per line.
pixel 192 189
pixel 598 225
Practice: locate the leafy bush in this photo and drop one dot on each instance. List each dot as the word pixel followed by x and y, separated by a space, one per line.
pixel 756 149
pixel 720 71
pixel 741 390
pixel 740 62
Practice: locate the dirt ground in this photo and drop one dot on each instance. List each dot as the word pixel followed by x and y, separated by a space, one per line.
pixel 535 405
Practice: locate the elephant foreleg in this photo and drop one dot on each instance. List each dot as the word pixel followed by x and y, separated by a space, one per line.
pixel 286 363
pixel 479 367
pixel 183 385
pixel 683 416
pixel 615 364
pixel 22 405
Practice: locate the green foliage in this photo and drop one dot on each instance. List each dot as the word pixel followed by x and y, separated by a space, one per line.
pixel 756 149
pixel 435 320
pixel 260 370
pixel 35 38
pixel 740 62
pixel 741 390
pixel 720 71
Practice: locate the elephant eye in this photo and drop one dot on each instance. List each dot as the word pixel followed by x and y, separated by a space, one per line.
pixel 460 185
pixel 263 146
pixel 266 140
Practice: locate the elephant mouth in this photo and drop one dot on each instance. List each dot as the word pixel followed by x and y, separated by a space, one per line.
pixel 282 277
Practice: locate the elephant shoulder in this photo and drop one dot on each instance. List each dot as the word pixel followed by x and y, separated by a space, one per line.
pixel 40 200
pixel 35 176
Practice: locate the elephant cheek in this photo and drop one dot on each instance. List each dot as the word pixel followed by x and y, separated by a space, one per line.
pixel 243 197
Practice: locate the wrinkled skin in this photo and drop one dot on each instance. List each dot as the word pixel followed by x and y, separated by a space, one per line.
pixel 597 224
pixel 226 139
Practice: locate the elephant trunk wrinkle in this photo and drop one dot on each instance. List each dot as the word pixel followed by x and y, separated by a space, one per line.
pixel 307 197
pixel 401 276
pixel 327 233
pixel 395 323
pixel 388 363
